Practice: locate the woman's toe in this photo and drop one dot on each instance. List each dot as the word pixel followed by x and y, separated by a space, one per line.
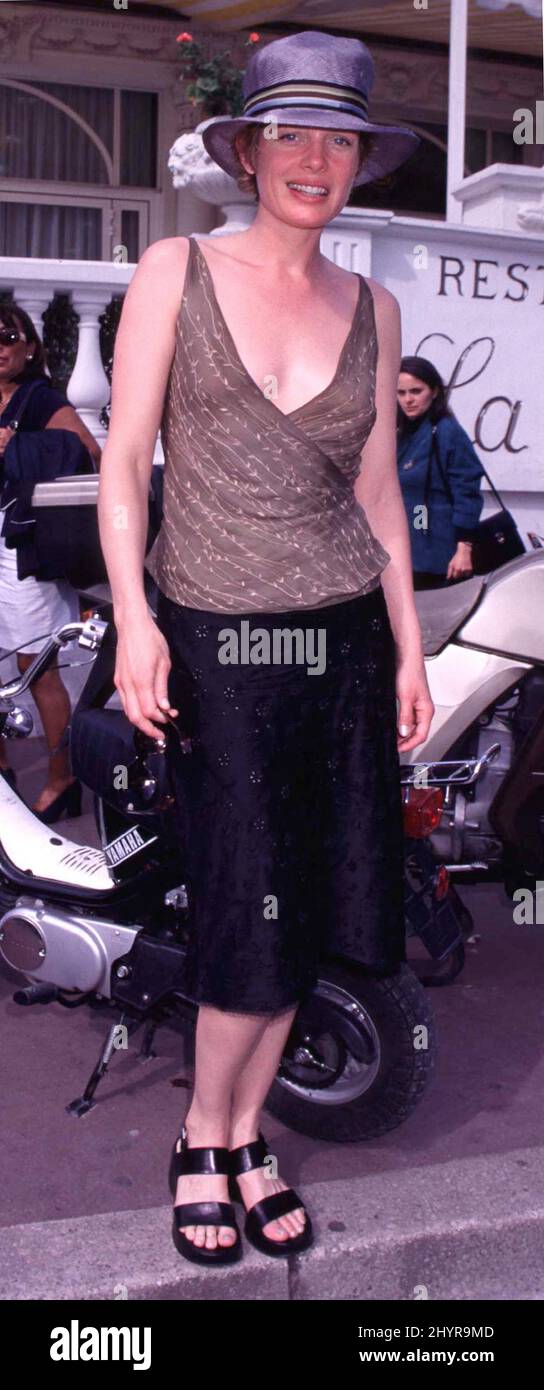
pixel 293 1222
pixel 275 1230
pixel 227 1235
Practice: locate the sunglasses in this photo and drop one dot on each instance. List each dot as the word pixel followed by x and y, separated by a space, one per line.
pixel 10 336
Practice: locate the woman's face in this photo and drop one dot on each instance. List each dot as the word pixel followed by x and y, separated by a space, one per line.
pixel 324 160
pixel 414 396
pixel 13 355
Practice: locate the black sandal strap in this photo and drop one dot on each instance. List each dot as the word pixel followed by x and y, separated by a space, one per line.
pixel 248 1156
pixel 205 1214
pixel 269 1208
pixel 201 1160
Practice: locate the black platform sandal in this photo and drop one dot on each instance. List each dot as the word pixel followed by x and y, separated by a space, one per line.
pixel 201 1160
pixel 242 1160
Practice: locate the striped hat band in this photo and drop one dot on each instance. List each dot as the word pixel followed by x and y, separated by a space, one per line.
pixel 319 96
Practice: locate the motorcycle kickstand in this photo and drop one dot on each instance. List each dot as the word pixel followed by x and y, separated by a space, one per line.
pixel 84 1103
pixel 146 1053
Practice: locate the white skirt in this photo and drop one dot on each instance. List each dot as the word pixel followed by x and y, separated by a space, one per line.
pixel 30 609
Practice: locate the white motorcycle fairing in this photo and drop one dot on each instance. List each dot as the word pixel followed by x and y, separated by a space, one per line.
pixel 40 852
pixel 480 637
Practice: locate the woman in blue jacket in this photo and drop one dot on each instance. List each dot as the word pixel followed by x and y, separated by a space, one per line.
pixel 440 485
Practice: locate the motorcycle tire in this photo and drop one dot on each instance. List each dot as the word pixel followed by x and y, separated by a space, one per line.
pixel 358 1058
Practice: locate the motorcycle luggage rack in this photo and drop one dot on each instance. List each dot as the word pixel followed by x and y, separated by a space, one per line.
pixel 462 771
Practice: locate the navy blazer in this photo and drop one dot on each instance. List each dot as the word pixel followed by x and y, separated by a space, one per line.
pixel 448 521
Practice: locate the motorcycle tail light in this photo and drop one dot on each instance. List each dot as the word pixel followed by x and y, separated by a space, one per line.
pixel 441 883
pixel 422 811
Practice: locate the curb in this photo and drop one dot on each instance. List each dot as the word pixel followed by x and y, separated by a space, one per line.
pixel 466 1229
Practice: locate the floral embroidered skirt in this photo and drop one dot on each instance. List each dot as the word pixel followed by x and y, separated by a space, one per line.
pixel 289 804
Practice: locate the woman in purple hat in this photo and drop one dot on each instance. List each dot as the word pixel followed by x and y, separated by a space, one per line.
pixel 286 624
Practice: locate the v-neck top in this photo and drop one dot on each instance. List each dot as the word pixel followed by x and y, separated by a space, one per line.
pixel 259 511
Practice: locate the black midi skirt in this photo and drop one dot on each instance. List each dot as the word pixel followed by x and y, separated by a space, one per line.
pixel 289 804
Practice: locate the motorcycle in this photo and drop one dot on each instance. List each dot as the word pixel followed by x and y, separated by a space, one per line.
pixel 108 926
pixel 482 764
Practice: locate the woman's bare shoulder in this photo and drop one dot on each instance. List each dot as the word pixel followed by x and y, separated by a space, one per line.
pixel 168 253
pixel 386 312
pixel 384 301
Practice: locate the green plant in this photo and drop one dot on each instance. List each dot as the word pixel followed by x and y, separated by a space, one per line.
pixel 214 84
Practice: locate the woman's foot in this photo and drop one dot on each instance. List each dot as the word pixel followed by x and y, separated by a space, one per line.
pixel 50 792
pixel 257 1184
pixel 204 1187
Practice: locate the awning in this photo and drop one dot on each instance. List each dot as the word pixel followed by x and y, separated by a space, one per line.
pixel 510 26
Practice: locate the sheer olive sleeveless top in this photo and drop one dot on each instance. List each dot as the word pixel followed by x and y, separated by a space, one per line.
pixel 258 506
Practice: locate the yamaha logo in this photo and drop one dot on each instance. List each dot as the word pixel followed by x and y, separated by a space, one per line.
pixel 125 846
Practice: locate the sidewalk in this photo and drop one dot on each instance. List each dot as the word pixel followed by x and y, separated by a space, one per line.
pixel 449 1205
pixel 469 1229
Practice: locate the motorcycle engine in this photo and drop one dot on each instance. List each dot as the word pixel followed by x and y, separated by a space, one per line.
pixel 465 834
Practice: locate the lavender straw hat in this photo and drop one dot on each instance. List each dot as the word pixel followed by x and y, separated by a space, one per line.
pixel 311 79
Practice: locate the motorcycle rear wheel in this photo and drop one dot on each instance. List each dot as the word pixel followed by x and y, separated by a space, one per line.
pixel 359 1057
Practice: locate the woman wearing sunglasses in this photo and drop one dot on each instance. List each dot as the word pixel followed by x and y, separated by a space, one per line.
pixel 281 511
pixel 31 608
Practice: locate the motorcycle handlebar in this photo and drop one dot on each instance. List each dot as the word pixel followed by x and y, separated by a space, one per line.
pixel 89 634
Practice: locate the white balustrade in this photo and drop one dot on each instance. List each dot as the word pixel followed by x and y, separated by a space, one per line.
pixel 90 285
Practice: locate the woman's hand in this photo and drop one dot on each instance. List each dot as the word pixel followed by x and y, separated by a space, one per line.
pixel 416 708
pixel 460 565
pixel 6 433
pixel 141 675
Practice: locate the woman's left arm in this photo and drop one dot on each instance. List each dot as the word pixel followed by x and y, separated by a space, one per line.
pixel 378 490
pixel 465 473
pixel 68 419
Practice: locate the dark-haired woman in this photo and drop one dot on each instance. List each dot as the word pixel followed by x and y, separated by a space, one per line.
pixel 440 476
pixel 31 608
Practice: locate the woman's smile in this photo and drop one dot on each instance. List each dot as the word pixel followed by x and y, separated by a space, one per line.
pixel 309 190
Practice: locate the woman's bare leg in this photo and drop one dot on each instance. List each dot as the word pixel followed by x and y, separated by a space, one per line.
pixel 54 707
pixel 223 1045
pixel 250 1091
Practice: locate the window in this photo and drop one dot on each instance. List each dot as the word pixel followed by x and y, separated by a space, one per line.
pixel 67 153
pixel 419 186
pixel 485 147
pixel 55 130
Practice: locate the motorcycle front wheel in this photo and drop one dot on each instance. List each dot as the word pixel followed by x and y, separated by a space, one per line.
pixel 359 1055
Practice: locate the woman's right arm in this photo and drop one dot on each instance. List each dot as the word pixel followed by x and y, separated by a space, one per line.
pixel 144 348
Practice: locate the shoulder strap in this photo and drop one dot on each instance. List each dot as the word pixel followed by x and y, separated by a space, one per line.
pixel 435 450
pixel 14 424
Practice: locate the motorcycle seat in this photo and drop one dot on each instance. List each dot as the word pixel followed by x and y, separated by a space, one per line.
pixel 441 611
pixel 101 743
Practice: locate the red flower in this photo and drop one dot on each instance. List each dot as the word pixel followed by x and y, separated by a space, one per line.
pixel 184 38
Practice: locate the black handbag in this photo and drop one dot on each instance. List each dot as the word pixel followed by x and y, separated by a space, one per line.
pixel 496 539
